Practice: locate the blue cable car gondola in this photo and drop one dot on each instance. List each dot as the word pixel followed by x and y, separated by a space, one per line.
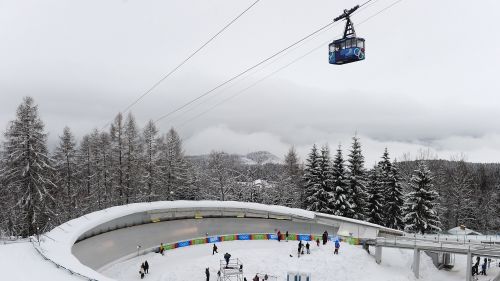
pixel 350 48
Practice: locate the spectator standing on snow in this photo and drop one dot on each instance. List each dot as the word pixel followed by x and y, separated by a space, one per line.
pixel 489 263
pixel 146 267
pixel 256 278
pixel 227 256
pixel 162 249
pixel 325 237
pixel 337 246
pixel 141 271
pixel 307 248
pixel 299 249
pixel 317 242
pixel 207 273
pixel 214 250
pixel 286 236
pixel 475 267
pixel 483 266
pixel 279 236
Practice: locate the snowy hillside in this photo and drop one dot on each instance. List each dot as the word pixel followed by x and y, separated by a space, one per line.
pixel 252 158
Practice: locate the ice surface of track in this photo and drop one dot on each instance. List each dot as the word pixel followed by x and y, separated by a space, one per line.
pixel 273 258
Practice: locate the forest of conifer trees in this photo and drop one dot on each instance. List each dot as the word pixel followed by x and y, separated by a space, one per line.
pixel 41 188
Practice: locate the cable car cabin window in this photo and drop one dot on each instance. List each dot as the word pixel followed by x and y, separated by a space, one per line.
pixel 361 44
pixel 332 48
pixel 348 43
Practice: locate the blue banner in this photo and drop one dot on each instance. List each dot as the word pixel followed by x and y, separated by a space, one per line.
pixel 213 239
pixel 272 237
pixel 304 237
pixel 183 244
pixel 243 236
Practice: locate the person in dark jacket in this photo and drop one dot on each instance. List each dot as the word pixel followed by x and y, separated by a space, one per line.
pixel 227 256
pixel 317 242
pixel 141 271
pixel 286 236
pixel 146 267
pixel 214 250
pixel 307 248
pixel 475 267
pixel 325 237
pixel 207 273
pixel 256 278
pixel 483 266
pixel 299 249
pixel 279 236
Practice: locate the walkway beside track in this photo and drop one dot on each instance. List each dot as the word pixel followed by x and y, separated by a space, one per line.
pixel 435 245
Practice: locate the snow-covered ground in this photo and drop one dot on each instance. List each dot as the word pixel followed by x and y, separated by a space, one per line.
pixel 273 258
pixel 21 262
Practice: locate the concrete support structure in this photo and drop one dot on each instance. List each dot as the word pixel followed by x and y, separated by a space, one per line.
pixel 416 262
pixel 468 271
pixel 378 254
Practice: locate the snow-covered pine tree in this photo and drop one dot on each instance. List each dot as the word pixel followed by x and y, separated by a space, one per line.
pixel 174 168
pixel 28 170
pixel 323 193
pixel 105 168
pixel 311 179
pixel 394 200
pixel 420 214
pixel 133 164
pixel 340 205
pixel 65 163
pixel 374 191
pixel 356 181
pixel 87 170
pixel 117 133
pixel 292 179
pixel 151 171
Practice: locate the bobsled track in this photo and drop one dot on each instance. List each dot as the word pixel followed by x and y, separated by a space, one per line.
pixel 86 245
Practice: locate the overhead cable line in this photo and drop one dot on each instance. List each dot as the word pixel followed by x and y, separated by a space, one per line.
pixel 362 7
pixel 149 90
pixel 248 69
pixel 281 68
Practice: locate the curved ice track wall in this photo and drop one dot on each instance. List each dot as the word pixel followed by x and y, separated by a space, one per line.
pixel 91 242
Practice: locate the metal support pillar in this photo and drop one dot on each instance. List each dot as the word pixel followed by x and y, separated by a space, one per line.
pixel 378 254
pixel 468 271
pixel 416 262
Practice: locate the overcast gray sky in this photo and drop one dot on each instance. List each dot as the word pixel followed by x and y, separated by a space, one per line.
pixel 430 78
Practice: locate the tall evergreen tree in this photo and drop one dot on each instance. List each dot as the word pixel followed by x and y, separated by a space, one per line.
pixel 311 179
pixel 322 197
pixel 356 181
pixel 174 168
pixel 394 200
pixel 375 199
pixel 341 205
pixel 117 134
pixel 420 214
pixel 133 153
pixel 292 179
pixel 28 171
pixel 151 172
pixel 65 163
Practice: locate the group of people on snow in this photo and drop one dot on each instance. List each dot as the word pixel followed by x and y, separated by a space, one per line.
pixel 144 269
pixel 486 264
